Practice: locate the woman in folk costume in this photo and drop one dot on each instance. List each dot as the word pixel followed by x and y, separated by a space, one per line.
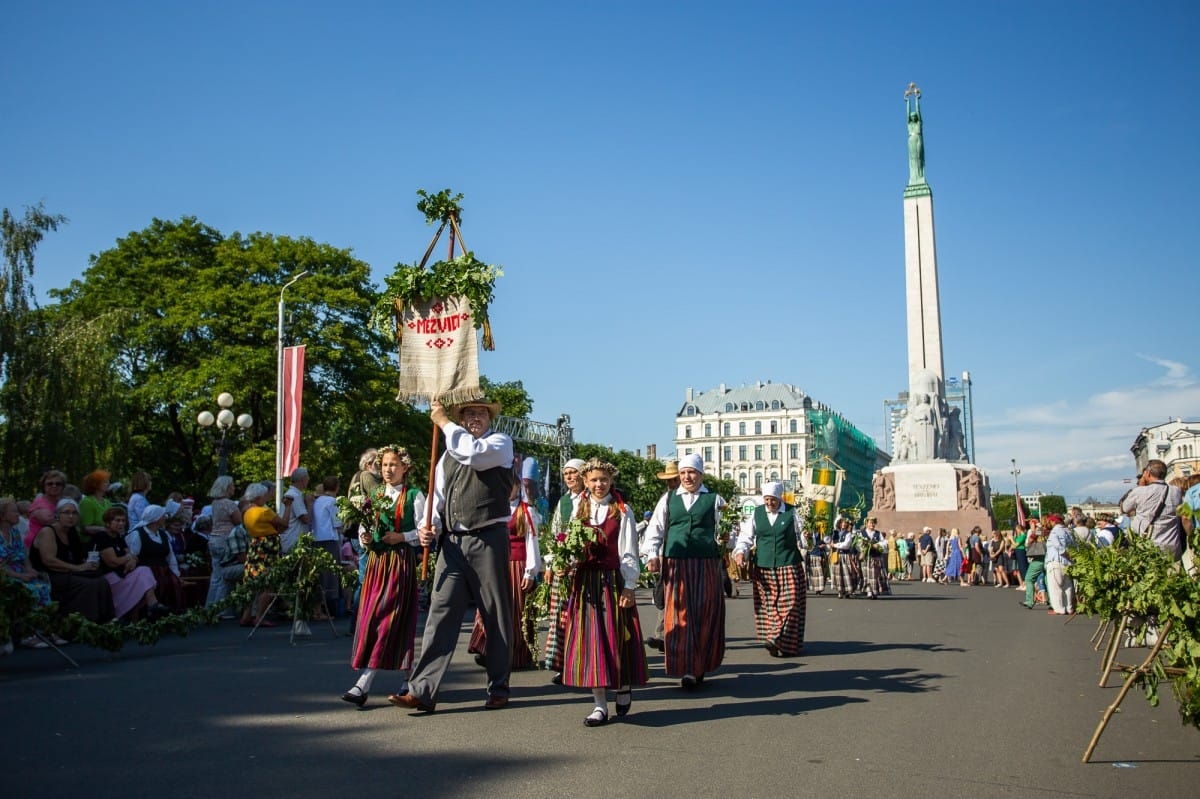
pixel 777 572
pixel 694 601
pixel 817 556
pixel 603 637
pixel 524 562
pixel 567 506
pixel 874 562
pixel 845 572
pixel 386 625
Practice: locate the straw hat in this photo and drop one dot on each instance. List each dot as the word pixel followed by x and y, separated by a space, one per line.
pixel 493 408
pixel 671 472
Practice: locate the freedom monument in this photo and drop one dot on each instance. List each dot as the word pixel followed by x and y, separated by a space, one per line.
pixel 930 481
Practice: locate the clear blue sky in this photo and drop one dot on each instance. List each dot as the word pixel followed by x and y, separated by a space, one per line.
pixel 680 193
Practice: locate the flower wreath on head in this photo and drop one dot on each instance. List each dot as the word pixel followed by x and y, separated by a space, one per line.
pixel 595 464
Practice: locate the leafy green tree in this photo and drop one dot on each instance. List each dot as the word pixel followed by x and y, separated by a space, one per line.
pixel 196 315
pixel 1004 509
pixel 513 398
pixel 19 239
pixel 1053 503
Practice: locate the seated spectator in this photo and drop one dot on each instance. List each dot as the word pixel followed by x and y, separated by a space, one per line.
pixel 15 565
pixel 132 585
pixel 42 509
pixel 95 501
pixel 224 515
pixel 75 581
pixel 152 547
pixel 264 526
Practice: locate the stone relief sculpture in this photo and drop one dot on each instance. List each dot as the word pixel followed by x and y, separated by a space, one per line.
pixel 884 494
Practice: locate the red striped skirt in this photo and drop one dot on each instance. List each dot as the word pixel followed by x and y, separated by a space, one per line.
pixel 780 606
pixel 521 656
pixel 693 616
pixel 386 627
pixel 602 642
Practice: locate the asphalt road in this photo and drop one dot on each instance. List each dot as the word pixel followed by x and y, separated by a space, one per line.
pixel 936 690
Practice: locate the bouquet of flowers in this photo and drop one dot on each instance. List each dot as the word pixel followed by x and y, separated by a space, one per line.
pixel 731 516
pixel 363 510
pixel 569 547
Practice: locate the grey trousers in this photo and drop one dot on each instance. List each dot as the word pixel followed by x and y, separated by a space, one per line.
pixel 470 566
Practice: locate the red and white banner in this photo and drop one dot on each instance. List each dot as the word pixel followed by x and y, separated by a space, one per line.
pixel 293 395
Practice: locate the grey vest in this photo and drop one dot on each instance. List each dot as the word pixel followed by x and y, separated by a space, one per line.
pixel 472 498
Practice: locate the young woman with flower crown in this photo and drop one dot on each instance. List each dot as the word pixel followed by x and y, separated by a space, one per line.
pixel 603 637
pixel 386 626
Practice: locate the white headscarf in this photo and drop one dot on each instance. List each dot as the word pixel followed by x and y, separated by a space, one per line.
pixel 773 489
pixel 692 462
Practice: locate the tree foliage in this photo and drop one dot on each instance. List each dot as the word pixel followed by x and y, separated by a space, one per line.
pixel 19 240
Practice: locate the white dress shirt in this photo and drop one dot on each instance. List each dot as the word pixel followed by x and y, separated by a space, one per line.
pixel 656 531
pixel 490 450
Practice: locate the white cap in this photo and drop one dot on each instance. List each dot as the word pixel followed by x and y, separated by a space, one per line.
pixel 692 462
pixel 773 489
pixel 575 463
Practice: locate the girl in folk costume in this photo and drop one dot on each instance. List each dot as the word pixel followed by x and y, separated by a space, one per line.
pixel 524 562
pixel 777 573
pixel 846 571
pixel 693 598
pixel 567 507
pixel 603 637
pixel 874 561
pixel 386 626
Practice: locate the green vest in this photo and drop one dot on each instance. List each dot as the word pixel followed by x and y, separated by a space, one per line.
pixel 387 522
pixel 692 533
pixel 564 508
pixel 775 544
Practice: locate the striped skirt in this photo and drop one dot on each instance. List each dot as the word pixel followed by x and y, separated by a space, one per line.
pixel 816 572
pixel 780 604
pixel 602 643
pixel 386 626
pixel 693 616
pixel 875 574
pixel 844 572
pixel 522 658
pixel 557 611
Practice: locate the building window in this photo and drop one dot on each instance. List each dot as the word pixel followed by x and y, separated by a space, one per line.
pixel 774 453
pixel 760 405
pixel 742 452
pixel 728 476
pixel 792 426
pixel 742 480
pixel 690 410
pixel 687 451
pixel 728 453
pixel 758 428
pixel 793 451
pixel 687 431
pixel 727 428
pixel 741 428
pixel 708 454
pixel 795 478
pixel 774 428
pixel 758 479
pixel 774 475
pixel 758 452
pixel 707 429
pixel 774 405
pixel 728 407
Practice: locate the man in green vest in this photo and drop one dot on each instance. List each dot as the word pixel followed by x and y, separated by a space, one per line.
pixel 684 524
pixel 773 534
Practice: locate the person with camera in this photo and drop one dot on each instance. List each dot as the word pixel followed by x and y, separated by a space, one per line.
pixel 1153 506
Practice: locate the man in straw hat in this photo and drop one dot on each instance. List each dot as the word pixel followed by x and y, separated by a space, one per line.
pixel 472 485
pixel 685 526
pixel 568 504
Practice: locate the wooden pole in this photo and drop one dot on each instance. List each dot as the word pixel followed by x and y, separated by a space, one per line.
pixel 1110 654
pixel 434 443
pixel 1129 679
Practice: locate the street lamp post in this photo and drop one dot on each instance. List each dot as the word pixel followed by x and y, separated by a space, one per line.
pixel 224 420
pixel 279 392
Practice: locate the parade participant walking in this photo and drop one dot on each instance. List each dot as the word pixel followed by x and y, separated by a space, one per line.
pixel 385 627
pixel 568 503
pixel 603 637
pixel 472 485
pixel 776 573
pixel 874 564
pixel 671 475
pixel 693 600
pixel 847 567
pixel 817 556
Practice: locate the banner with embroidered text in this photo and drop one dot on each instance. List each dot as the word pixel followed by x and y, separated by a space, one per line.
pixel 439 354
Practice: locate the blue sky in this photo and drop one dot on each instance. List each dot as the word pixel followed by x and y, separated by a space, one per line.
pixel 680 193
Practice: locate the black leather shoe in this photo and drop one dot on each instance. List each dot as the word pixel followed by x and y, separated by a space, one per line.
pixel 655 643
pixel 355 699
pixel 596 718
pixel 557 678
pixel 622 709
pixel 496 702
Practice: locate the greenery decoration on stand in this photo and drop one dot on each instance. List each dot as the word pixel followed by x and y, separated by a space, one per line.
pixel 296 574
pixel 1137 580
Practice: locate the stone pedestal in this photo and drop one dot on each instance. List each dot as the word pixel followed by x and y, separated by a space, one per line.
pixel 910 496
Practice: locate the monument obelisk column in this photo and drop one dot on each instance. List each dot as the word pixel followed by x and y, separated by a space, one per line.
pixel 920 255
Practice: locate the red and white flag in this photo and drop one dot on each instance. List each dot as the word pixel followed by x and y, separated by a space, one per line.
pixel 293 394
pixel 1020 512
